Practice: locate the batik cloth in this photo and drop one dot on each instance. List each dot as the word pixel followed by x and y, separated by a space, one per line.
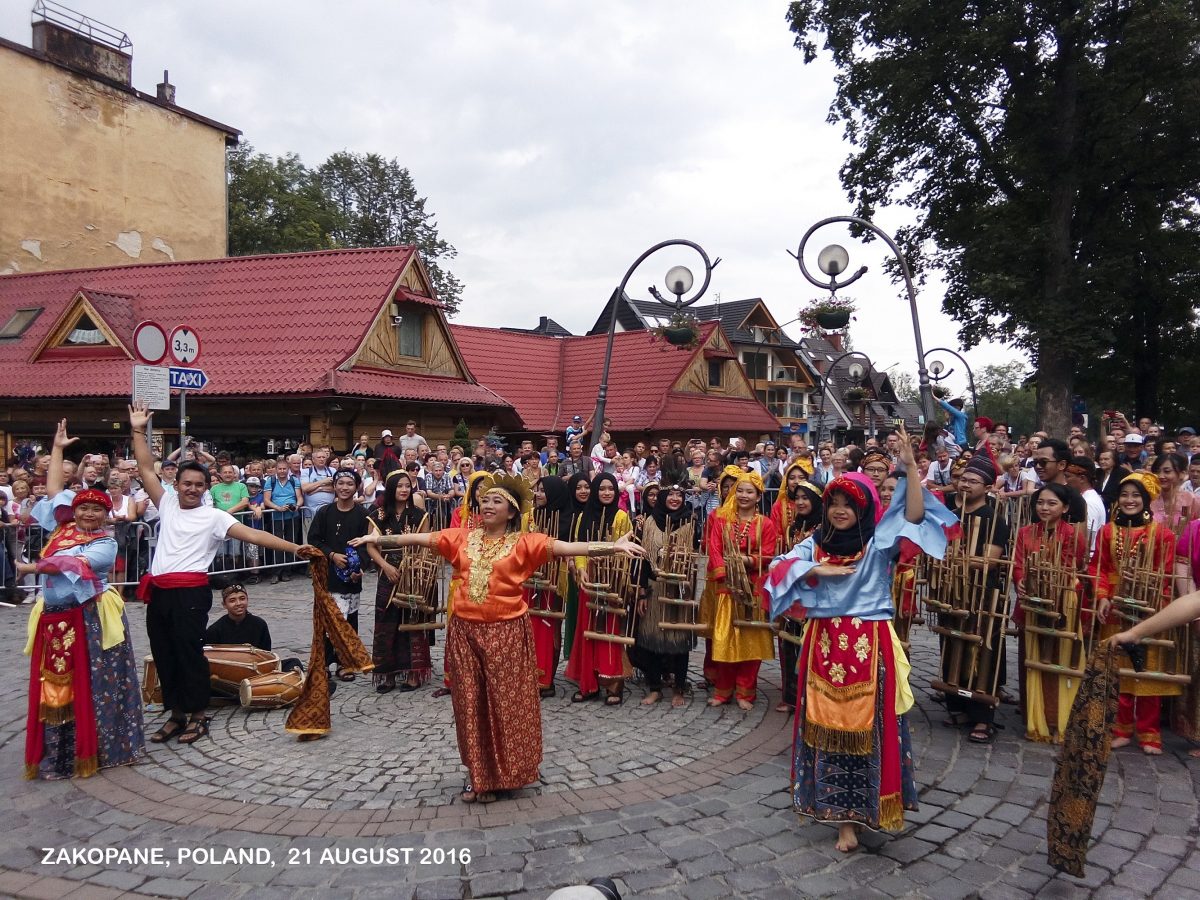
pixel 310 715
pixel 1079 774
pixel 399 654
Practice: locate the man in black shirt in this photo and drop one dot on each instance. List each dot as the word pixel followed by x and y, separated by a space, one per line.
pixel 332 528
pixel 238 626
pixel 1050 462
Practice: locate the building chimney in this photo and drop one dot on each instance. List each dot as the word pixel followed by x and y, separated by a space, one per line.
pixel 542 324
pixel 166 90
pixel 835 340
pixel 70 39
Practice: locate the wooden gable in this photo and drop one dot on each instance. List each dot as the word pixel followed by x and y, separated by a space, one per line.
pixel 713 356
pixel 426 349
pixel 81 331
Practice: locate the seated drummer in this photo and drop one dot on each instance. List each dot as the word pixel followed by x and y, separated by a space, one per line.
pixel 238 625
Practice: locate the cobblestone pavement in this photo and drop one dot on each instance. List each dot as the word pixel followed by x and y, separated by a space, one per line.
pixel 687 803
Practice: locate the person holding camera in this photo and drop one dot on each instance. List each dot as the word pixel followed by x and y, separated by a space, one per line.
pixel 283 498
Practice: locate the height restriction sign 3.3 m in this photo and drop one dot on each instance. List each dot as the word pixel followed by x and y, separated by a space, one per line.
pixel 184 345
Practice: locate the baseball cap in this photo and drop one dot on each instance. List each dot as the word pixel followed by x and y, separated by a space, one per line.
pixel 169 463
pixel 1134 439
pixel 387 432
pixel 254 480
pixel 577 418
pixel 1186 429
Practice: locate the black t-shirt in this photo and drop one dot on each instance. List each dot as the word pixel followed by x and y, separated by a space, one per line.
pixel 330 532
pixel 251 630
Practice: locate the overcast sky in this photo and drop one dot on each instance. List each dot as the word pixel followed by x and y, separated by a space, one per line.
pixel 555 141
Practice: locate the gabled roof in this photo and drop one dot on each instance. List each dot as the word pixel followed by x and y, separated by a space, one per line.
pixel 884 406
pixel 559 378
pixel 734 318
pixel 545 325
pixel 306 313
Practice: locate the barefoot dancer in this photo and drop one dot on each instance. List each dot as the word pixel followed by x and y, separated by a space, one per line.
pixel 852 762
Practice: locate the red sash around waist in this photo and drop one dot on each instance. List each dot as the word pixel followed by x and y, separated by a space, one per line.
pixel 169 580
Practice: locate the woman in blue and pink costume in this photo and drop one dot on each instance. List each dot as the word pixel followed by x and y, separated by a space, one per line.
pixel 851 758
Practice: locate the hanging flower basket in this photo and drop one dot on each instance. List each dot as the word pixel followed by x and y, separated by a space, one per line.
pixel 855 395
pixel 681 331
pixel 827 314
pixel 940 392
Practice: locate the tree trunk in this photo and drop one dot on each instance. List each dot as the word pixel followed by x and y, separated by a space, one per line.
pixel 1055 389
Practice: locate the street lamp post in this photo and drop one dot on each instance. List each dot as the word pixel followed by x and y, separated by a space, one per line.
pixel 834 260
pixel 856 375
pixel 938 372
pixel 679 281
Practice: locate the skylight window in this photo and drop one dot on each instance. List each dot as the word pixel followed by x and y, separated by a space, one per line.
pixel 20 321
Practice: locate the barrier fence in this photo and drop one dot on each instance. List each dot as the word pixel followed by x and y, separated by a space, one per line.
pixel 237 559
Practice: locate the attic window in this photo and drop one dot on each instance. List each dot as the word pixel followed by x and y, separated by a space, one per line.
pixel 85 333
pixel 20 321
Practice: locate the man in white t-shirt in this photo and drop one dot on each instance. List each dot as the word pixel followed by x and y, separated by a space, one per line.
pixel 1081 474
pixel 176 587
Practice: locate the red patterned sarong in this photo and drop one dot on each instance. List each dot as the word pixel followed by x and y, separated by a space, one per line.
pixel 497 713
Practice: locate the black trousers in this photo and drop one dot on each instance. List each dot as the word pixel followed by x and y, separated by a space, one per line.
pixel 656 665
pixel 175 622
pixel 789 657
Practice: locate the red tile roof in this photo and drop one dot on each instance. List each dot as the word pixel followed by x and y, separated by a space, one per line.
pixel 268 325
pixel 550 379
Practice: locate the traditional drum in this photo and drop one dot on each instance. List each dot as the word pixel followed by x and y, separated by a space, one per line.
pixel 229 664
pixel 271 691
pixel 151 689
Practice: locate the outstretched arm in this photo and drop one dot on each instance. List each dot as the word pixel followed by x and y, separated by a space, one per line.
pixel 624 544
pixel 1182 611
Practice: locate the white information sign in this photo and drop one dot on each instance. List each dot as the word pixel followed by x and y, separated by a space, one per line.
pixel 152 386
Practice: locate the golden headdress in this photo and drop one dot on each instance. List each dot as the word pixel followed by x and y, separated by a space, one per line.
pixel 514 489
pixel 485 480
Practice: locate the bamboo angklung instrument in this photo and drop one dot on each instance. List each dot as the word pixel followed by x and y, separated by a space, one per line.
pixel 972 614
pixel 749 610
pixel 1052 607
pixel 545 601
pixel 611 584
pixel 1144 589
pixel 417 591
pixel 679 575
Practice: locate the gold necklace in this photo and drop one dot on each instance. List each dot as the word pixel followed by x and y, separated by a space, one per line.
pixel 484 551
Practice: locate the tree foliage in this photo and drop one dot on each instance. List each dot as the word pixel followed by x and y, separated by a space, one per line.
pixel 1006 396
pixel 278 205
pixel 1048 147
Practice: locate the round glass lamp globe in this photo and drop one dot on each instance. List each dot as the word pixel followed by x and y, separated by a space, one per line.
pixel 936 367
pixel 855 371
pixel 833 260
pixel 679 280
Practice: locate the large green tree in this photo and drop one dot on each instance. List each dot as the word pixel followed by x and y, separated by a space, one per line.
pixel 1049 150
pixel 278 205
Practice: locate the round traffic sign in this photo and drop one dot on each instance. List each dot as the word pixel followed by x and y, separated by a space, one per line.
pixel 150 342
pixel 184 345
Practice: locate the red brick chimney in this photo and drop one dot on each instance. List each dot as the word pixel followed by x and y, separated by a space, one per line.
pixel 835 340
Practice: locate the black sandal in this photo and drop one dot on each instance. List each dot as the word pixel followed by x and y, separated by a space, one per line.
pixel 165 733
pixel 196 729
pixel 614 699
pixel 982 733
pixel 581 697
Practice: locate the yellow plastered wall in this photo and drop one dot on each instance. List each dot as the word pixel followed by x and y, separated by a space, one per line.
pixel 95 176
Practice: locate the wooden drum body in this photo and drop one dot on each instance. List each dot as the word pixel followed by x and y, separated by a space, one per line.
pixel 271 691
pixel 230 664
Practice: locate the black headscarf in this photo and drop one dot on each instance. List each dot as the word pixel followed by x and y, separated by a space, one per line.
pixel 597 517
pixel 674 518
pixel 558 500
pixel 813 519
pixel 847 542
pixel 575 508
pixel 645 507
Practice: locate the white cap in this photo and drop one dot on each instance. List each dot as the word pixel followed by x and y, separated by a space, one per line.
pixel 386 433
pixel 1134 439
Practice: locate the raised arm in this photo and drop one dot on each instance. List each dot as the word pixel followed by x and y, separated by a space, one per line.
pixel 624 544
pixel 1182 611
pixel 914 500
pixel 54 475
pixel 392 541
pixel 139 422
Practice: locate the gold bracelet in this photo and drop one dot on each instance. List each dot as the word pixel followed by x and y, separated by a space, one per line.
pixel 599 548
pixel 135 431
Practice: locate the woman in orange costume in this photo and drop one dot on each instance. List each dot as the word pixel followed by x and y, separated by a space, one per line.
pixel 489 642
pixel 465 516
pixel 738 652
pixel 1140 706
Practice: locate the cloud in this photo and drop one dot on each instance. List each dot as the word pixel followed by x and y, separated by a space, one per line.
pixel 555 140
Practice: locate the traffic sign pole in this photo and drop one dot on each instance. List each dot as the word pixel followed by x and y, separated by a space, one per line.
pixel 182 423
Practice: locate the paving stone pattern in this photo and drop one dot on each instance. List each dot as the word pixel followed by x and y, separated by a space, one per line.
pixel 688 803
